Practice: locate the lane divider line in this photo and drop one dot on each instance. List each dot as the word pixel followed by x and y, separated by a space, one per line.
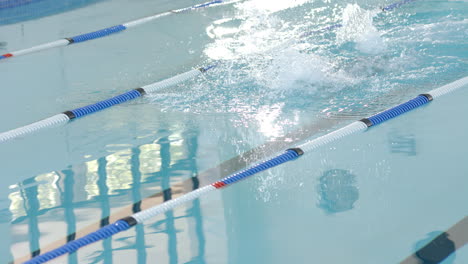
pixel 89 109
pixel 103 32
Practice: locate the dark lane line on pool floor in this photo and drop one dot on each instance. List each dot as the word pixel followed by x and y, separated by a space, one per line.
pixel 441 247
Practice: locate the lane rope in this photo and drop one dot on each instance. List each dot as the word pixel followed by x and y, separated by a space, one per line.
pixel 288 155
pixel 89 109
pixel 104 32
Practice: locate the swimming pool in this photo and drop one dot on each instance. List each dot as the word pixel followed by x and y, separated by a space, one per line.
pixel 370 198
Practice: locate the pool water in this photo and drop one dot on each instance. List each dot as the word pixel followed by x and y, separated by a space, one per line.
pixel 377 197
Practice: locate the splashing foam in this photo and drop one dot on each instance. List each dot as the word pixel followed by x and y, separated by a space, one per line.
pixel 303 70
pixel 358 28
pixel 266 47
pixel 295 70
pixel 263 63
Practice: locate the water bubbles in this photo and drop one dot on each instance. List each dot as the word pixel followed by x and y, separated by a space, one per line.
pixel 337 191
pixel 268 185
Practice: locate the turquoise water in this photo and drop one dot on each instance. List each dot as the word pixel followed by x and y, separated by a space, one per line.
pixel 372 198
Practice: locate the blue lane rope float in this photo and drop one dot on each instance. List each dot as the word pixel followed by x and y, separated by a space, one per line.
pixel 289 155
pixel 400 109
pixel 105 32
pixel 89 109
pixel 96 34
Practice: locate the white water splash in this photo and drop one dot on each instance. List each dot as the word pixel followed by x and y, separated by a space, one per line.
pixel 292 69
pixel 358 28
